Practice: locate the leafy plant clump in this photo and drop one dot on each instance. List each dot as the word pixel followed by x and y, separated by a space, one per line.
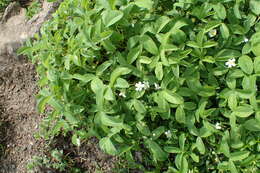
pixel 33 9
pixel 3 5
pixel 170 85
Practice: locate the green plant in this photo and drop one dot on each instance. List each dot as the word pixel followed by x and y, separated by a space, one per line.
pixel 33 8
pixel 172 80
pixel 3 4
pixel 57 161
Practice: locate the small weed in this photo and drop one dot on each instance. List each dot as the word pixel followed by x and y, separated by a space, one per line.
pixel 34 8
pixel 4 4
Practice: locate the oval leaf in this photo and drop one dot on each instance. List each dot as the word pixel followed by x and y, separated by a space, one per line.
pixel 110 17
pixel 246 64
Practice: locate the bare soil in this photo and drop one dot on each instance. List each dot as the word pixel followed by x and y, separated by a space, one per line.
pixel 18 117
pixel 19 120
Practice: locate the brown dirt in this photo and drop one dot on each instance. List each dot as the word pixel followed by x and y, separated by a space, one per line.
pixel 18 116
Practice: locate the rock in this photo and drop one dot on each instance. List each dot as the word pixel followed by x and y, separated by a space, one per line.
pixel 16 29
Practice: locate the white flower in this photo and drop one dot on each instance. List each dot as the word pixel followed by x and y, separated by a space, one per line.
pixel 153 134
pixel 157 86
pixel 142 86
pixel 121 94
pixel 168 134
pixel 231 63
pixel 218 126
pixel 139 86
pixel 246 40
pixel 212 33
pixel 146 85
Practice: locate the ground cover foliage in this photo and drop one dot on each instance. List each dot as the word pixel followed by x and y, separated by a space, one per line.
pixel 169 85
pixel 3 4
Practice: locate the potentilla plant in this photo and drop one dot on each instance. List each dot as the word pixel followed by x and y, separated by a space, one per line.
pixel 174 81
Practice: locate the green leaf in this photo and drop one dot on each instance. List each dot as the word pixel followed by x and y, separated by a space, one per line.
pixel 133 54
pixel 178 24
pixel 101 68
pixel 109 95
pixel 190 106
pixel 232 101
pixel 124 149
pixel 70 118
pixel 109 120
pixel 121 83
pixel 178 160
pixel 257 65
pixel 226 54
pixel 144 4
pixel 184 165
pixel 52 75
pixel 220 11
pixel 84 78
pixel 105 35
pixel 143 128
pixel 246 49
pixel 110 17
pixel 139 106
pixel 224 31
pixel 145 60
pixel 182 139
pixel 108 45
pixel 156 150
pixel 159 71
pixel 232 167
pixel 118 72
pixel 243 111
pixel 206 91
pixel 239 155
pixel 179 37
pixel 173 98
pixel 252 125
pixel 200 145
pixel 149 45
pixel 193 44
pixel 76 59
pixel 107 146
pixel 180 114
pixel 41 102
pixel 158 132
pixel 170 149
pixel 245 94
pixel 211 25
pixel 246 64
pixel 75 140
pixel 236 10
pixel 112 3
pixel 160 23
pixel 104 3
pixel 255 6
pixel 249 83
pixel 56 104
pixel 237 73
pixel 209 44
pixel 256 49
pixel 224 147
pixel 97 85
pixel 194 157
